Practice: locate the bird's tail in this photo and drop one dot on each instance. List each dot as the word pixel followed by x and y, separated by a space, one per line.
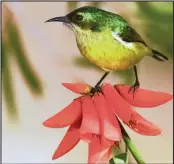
pixel 158 56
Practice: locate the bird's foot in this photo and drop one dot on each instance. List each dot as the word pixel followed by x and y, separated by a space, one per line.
pixel 134 87
pixel 95 89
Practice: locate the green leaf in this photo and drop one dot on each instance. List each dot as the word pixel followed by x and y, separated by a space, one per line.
pixel 7 85
pixel 121 158
pixel 15 43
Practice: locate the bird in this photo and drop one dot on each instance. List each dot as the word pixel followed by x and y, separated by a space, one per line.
pixel 107 40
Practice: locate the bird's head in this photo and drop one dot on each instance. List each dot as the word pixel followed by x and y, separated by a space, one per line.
pixel 86 18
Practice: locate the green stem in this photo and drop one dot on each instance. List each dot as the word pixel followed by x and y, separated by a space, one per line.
pixel 131 146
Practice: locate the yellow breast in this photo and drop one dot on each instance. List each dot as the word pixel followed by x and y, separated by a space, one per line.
pixel 102 49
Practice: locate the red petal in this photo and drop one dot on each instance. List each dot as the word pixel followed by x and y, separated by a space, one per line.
pixel 143 97
pixel 109 124
pixel 99 152
pixel 142 126
pixel 107 141
pixel 106 156
pixel 79 88
pixel 70 140
pixel 121 108
pixel 90 120
pixel 65 117
pixel 86 137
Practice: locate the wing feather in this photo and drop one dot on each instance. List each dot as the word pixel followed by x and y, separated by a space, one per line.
pixel 126 33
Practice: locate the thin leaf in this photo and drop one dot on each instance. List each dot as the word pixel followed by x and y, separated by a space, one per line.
pixel 7 84
pixel 26 69
pixel 121 158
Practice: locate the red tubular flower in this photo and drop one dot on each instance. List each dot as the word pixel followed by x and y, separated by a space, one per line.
pixel 65 117
pixel 120 107
pixel 93 118
pixel 78 87
pixel 90 121
pixel 109 124
pixel 143 98
pixel 99 152
pixel 70 140
pixel 142 126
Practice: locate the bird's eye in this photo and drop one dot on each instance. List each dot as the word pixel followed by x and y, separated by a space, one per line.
pixel 79 17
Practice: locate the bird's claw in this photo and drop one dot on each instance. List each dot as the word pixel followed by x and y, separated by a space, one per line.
pixel 95 89
pixel 134 87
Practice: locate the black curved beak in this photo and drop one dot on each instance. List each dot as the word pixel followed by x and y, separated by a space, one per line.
pixel 59 19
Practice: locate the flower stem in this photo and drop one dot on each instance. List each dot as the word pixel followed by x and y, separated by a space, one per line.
pixel 131 146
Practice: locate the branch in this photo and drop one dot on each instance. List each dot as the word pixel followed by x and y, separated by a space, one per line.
pixel 131 146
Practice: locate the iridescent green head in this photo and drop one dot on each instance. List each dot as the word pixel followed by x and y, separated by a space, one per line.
pixel 88 18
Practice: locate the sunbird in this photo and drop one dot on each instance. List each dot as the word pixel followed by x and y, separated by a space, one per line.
pixel 107 40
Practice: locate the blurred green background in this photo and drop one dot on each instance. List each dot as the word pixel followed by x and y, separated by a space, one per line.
pixel 155 23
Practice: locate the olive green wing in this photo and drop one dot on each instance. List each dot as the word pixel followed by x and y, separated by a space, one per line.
pixel 126 33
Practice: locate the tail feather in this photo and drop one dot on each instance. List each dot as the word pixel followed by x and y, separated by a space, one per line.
pixel 158 56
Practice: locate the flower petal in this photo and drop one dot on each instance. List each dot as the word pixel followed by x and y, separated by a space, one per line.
pixel 90 120
pixel 79 88
pixel 106 156
pixel 143 97
pixel 65 117
pixel 70 140
pixel 107 141
pixel 87 137
pixel 109 123
pixel 98 151
pixel 120 107
pixel 142 126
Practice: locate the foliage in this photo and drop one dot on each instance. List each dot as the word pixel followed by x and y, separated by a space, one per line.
pixel 12 48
